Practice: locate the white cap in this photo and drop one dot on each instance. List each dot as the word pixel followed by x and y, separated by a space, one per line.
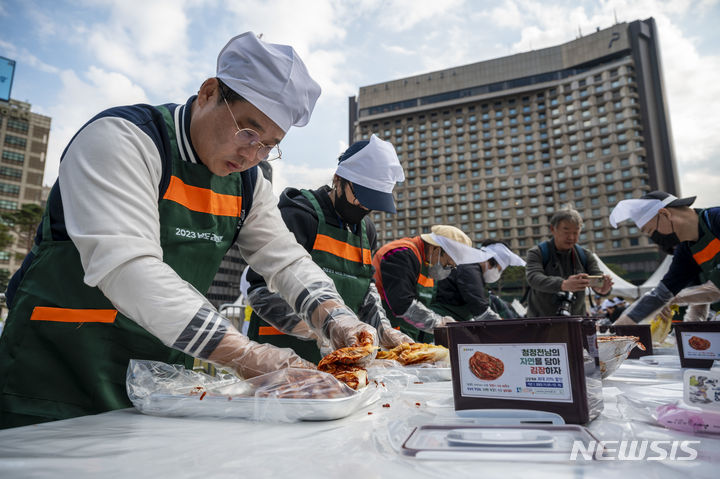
pixel 503 255
pixel 460 252
pixel 607 304
pixel 272 77
pixel 373 168
pixel 643 209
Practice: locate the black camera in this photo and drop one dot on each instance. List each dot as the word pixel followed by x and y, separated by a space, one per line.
pixel 566 299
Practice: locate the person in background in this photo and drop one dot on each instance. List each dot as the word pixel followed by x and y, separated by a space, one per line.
pixel 331 223
pixel 691 236
pixel 557 269
pixel 407 269
pixel 147 202
pixel 463 296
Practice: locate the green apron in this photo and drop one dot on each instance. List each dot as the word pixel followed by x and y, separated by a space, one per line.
pixel 460 312
pixel 426 295
pixel 65 349
pixel 346 259
pixel 706 252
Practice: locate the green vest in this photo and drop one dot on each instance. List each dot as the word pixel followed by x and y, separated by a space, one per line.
pixel 346 259
pixel 706 252
pixel 65 349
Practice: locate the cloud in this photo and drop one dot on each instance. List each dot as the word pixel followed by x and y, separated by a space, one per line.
pixel 12 51
pixel 80 98
pixel 401 15
pixel 299 176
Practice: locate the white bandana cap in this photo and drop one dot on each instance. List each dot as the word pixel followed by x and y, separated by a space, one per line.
pixel 503 255
pixel 460 252
pixel 270 76
pixel 373 169
pixel 644 209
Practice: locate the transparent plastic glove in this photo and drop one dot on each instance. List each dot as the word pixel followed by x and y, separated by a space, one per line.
pixel 423 318
pixel 488 315
pixel 706 293
pixel 248 359
pixel 372 312
pixel 391 338
pixel 344 330
pixel 273 309
pixel 697 312
pixel 649 304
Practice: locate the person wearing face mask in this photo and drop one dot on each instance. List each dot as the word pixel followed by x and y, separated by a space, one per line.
pixel 463 294
pixel 149 199
pixel 407 270
pixel 691 236
pixel 557 269
pixel 331 223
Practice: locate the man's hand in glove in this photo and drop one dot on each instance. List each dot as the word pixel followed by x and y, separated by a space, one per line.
pixel 390 337
pixel 344 330
pixel 249 359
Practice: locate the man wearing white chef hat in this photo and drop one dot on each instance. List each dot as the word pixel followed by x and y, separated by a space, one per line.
pixel 331 223
pixel 690 235
pixel 148 201
pixel 406 271
pixel 462 294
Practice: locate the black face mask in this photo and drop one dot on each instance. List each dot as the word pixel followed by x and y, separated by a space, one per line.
pixel 666 242
pixel 349 213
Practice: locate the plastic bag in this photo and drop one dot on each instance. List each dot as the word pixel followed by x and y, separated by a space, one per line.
pixel 285 395
pixel 613 350
pixel 688 419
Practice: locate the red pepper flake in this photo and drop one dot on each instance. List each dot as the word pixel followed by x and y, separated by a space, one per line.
pixel 369 413
pixel 417 404
pixel 418 382
pixel 386 405
pixel 383 384
pixel 203 395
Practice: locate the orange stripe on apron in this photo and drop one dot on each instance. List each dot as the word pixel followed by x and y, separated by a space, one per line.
pixel 341 249
pixel 202 200
pixel 425 281
pixel 708 252
pixel 269 331
pixel 65 315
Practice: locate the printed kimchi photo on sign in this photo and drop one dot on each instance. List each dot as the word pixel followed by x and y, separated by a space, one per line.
pixel 486 367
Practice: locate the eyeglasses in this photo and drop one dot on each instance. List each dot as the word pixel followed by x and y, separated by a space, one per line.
pixel 247 137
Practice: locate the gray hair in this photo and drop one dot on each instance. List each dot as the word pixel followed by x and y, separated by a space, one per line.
pixel 568 214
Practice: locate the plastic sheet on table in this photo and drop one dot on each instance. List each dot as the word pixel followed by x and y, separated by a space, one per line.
pixel 286 395
pixel 391 372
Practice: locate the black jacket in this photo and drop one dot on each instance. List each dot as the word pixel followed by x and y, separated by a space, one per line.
pixel 300 218
pixel 464 286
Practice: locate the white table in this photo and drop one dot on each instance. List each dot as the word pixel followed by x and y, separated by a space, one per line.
pixel 126 443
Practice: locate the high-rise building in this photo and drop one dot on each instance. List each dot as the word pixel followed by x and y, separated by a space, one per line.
pixel 496 147
pixel 24 141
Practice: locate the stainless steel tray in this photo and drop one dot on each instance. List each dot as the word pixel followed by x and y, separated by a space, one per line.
pixel 278 409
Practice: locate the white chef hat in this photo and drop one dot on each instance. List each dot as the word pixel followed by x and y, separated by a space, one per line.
pixel 643 209
pixel 270 76
pixel 503 255
pixel 456 244
pixel 373 169
pixel 607 304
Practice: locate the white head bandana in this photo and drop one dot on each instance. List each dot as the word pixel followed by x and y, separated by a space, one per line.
pixel 461 253
pixel 375 166
pixel 503 255
pixel 639 210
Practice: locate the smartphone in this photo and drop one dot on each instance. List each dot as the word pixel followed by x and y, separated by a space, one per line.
pixel 596 281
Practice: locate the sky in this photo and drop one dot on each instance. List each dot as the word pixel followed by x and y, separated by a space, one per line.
pixel 78 57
